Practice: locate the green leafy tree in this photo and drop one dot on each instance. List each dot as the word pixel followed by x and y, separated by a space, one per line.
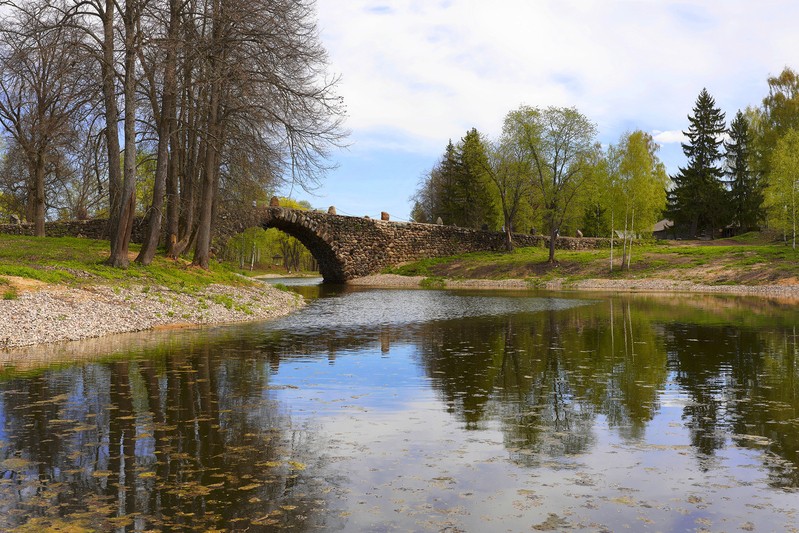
pixel 641 187
pixel 779 113
pixel 256 247
pixel 508 166
pixel 698 199
pixel 746 195
pixel 560 145
pixel 783 185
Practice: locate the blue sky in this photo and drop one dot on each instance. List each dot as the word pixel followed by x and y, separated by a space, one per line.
pixel 416 73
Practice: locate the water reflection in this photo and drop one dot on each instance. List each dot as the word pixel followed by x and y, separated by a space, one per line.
pixel 190 439
pixel 420 410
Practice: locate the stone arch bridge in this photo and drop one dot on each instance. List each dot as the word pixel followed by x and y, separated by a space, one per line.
pixel 350 247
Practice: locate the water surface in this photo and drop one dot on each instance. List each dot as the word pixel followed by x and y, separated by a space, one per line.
pixel 411 410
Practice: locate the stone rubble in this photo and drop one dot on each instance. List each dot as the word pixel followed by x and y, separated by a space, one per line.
pixel 65 314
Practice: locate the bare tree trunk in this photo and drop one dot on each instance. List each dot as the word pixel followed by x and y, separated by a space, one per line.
pixel 212 145
pixel 508 232
pixel 632 234
pixel 612 229
pixel 165 135
pixel 624 241
pixel 123 227
pixel 553 231
pixel 111 118
pixel 39 197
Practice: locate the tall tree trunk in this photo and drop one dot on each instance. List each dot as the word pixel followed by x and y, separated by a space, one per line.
pixel 508 231
pixel 202 249
pixel 127 209
pixel 165 134
pixel 612 229
pixel 111 118
pixel 39 197
pixel 553 233
pixel 624 240
pixel 632 234
pixel 213 145
pixel 189 177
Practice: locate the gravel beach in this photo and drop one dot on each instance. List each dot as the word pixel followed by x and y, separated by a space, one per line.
pixel 54 314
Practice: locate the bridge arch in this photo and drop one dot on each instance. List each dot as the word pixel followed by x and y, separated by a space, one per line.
pixel 308 231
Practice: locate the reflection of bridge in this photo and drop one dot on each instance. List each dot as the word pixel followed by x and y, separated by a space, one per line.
pixel 350 247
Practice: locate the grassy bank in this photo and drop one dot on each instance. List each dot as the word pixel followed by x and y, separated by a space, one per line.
pixel 26 262
pixel 750 259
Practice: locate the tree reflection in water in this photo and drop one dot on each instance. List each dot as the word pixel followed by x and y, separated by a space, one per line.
pixel 196 435
pixel 170 441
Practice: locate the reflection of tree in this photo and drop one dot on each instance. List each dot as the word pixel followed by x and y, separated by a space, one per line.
pixel 173 441
pixel 459 357
pixel 548 374
pixel 711 363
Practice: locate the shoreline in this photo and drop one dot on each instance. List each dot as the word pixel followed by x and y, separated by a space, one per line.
pixel 652 285
pixel 56 314
pixel 53 315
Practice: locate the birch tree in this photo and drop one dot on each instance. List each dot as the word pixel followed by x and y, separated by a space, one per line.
pixel 783 184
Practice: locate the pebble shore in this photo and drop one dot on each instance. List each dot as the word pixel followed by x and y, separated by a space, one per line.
pixel 608 285
pixel 64 314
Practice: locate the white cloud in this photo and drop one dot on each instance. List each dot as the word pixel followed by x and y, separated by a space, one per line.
pixel 669 137
pixel 431 68
pixel 419 72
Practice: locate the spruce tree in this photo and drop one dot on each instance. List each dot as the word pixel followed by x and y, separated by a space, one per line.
pixel 746 195
pixel 472 187
pixel 698 200
pixel 448 201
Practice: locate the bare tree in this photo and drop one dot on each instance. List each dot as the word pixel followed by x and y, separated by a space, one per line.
pixel 44 94
pixel 266 79
pixel 164 109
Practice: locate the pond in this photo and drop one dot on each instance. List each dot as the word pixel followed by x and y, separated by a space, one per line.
pixel 420 410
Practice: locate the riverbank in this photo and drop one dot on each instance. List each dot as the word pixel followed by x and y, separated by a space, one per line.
pixel 51 313
pixel 55 289
pixel 652 285
pixel 758 264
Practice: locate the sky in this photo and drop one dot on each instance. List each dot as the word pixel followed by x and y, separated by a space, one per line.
pixel 417 73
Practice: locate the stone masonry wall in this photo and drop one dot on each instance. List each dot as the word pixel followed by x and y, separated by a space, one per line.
pixel 89 229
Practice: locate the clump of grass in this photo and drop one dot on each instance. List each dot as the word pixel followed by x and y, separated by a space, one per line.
pixel 223 299
pixel 281 287
pixel 432 283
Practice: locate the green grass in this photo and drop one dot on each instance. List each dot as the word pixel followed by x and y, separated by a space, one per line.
pixel 224 300
pixel 432 283
pixel 752 258
pixel 73 261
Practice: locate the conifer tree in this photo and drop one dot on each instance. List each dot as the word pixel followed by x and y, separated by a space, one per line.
pixel 698 200
pixel 448 177
pixel 746 195
pixel 476 207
